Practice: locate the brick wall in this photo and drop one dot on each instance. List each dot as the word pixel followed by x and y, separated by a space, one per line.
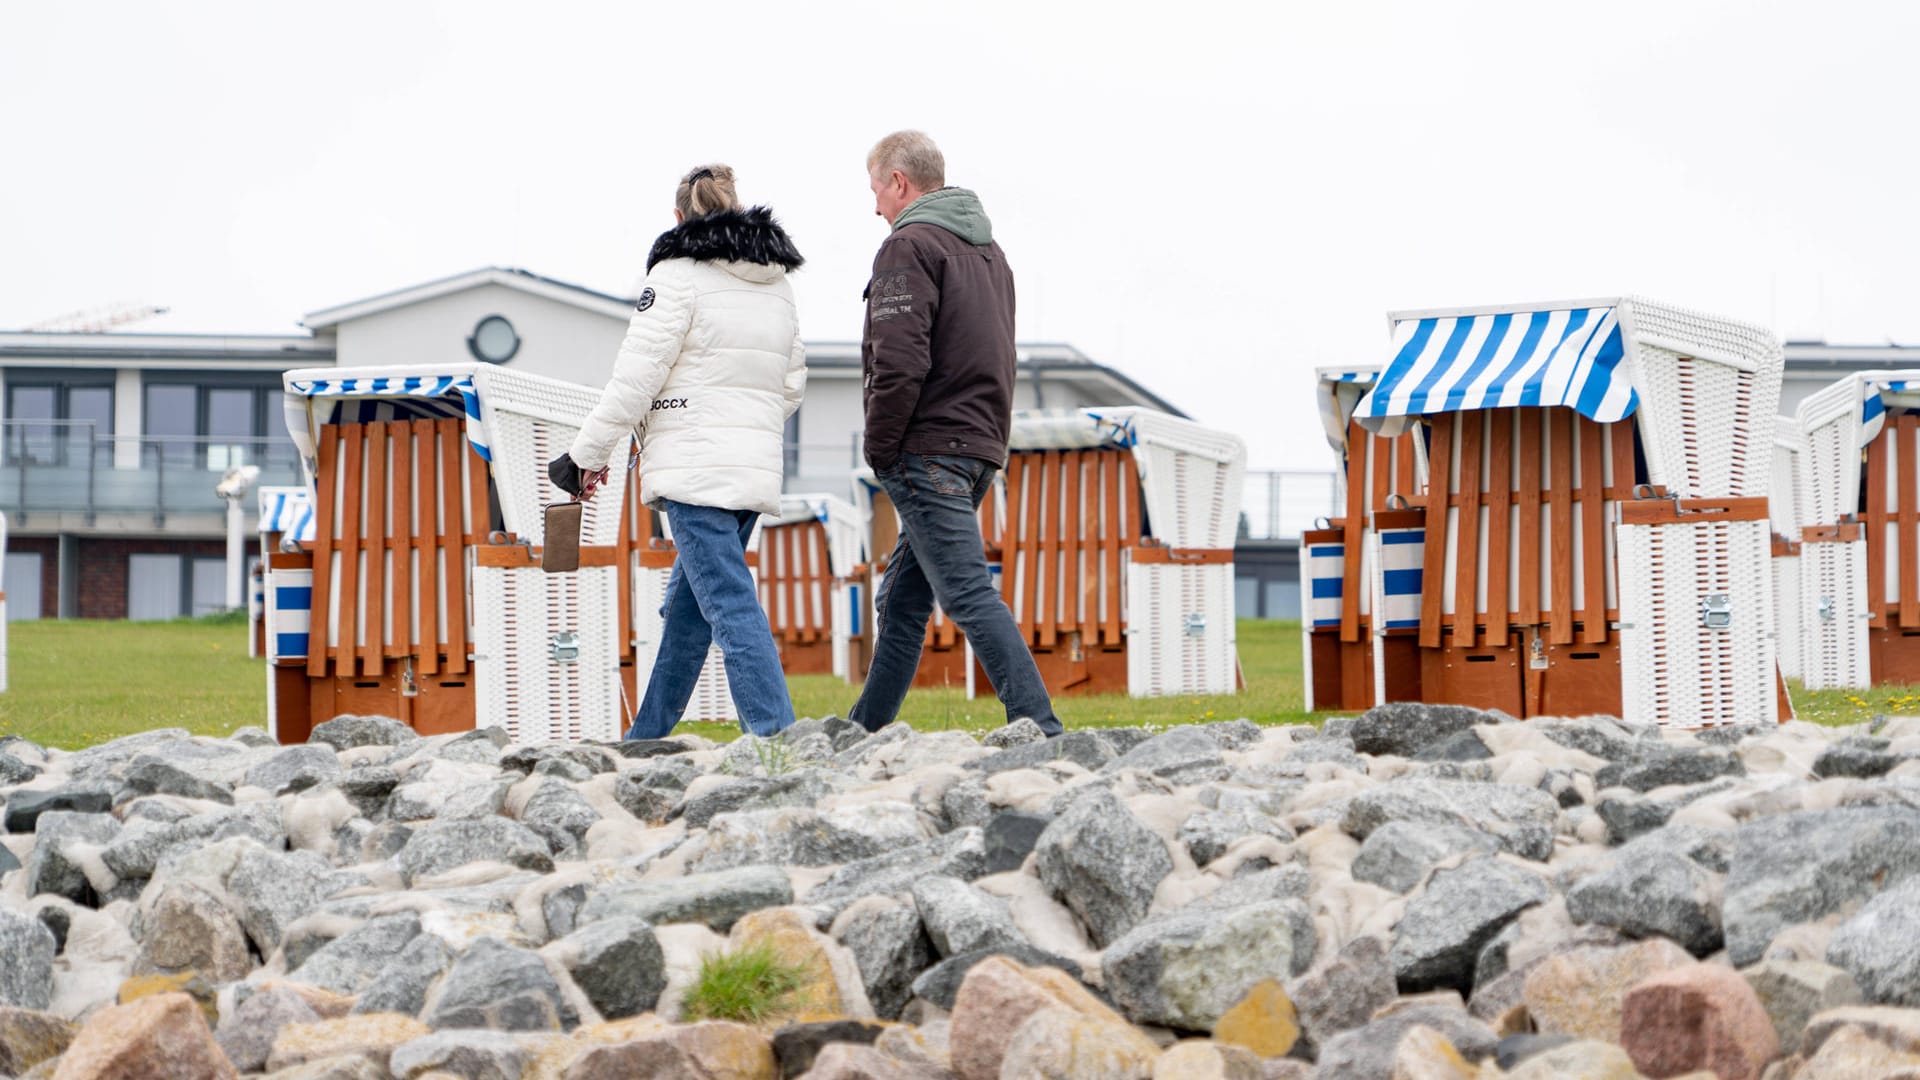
pixel 103 569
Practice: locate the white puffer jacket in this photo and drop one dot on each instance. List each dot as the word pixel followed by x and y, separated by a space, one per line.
pixel 711 367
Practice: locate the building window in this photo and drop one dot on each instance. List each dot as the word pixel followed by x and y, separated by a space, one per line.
pixel 22 584
pixel 213 425
pixel 169 586
pixel 56 423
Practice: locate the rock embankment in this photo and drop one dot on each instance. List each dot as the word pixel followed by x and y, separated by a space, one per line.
pixel 1421 892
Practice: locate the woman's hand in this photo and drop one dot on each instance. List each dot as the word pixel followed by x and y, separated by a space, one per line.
pixel 567 476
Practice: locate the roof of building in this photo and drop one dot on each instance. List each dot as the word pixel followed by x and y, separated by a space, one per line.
pixel 21 348
pixel 511 277
pixel 1808 360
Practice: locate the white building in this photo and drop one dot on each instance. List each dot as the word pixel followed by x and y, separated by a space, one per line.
pixel 112 442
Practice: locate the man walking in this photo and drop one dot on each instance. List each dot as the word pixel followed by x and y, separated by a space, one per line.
pixel 938 362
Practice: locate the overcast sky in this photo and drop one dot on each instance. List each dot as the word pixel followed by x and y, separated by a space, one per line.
pixel 1214 198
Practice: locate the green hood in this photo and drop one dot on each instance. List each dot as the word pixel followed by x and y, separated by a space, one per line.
pixel 956 210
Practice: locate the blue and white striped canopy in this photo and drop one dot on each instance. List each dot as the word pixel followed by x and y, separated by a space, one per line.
pixel 1566 356
pixel 1873 407
pixel 370 399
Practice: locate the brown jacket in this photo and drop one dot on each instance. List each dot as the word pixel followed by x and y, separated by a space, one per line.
pixel 937 357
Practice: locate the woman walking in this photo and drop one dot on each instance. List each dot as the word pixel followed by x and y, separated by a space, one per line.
pixel 710 370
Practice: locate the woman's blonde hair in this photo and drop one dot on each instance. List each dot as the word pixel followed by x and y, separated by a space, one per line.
pixel 706 190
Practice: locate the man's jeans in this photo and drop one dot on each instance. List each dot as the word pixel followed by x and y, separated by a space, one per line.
pixel 711 600
pixel 940 555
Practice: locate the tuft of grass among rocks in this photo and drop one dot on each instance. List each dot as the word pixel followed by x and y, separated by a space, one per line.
pixel 751 984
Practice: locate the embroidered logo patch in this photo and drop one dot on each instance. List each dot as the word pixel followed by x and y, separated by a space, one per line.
pixel 645 301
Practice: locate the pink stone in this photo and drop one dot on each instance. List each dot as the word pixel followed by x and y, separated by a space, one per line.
pixel 1700 1017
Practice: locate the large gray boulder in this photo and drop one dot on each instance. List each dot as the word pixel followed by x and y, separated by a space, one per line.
pixel 273 890
pixel 557 811
pixel 718 899
pixel 1010 836
pixel 1207 834
pixel 24 808
pixel 958 854
pixel 527 759
pixel 1670 767
pixel 26 979
pixel 447 845
pixel 62 845
pixel 960 918
pixel 296 768
pixel 1654 888
pixel 1345 992
pixel 347 732
pixel 1405 728
pixel 891 948
pixel 1799 867
pixel 137 850
pixel 799 789
pixel 618 964
pixel 1184 971
pixel 1601 736
pixel 402 984
pixel 1460 910
pixel 1099 860
pixel 1181 755
pixel 246 1034
pixel 800 836
pixel 1087 749
pixel 495 985
pixel 14 771
pixel 349 963
pixel 151 774
pixel 1880 946
pixel 1522 818
pixel 1398 854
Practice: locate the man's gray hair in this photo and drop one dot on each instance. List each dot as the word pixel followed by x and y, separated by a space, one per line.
pixel 913 154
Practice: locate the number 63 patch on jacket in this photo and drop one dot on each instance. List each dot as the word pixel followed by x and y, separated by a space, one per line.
pixel 645 301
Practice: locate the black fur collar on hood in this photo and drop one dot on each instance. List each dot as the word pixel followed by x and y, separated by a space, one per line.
pixel 749 235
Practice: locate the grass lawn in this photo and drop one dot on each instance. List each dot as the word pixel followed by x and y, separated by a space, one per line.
pixel 76 683
pixel 73 683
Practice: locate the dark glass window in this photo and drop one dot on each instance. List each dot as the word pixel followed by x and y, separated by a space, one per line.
pixel 173 417
pixel 51 423
pixel 230 415
pixel 27 441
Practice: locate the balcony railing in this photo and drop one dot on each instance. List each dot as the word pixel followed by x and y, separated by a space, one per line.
pixel 66 468
pixel 1280 504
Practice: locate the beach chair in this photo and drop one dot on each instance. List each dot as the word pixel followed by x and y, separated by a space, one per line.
pixel 1860 536
pixel 1595 517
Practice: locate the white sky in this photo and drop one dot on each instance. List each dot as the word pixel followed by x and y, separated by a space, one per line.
pixel 1214 198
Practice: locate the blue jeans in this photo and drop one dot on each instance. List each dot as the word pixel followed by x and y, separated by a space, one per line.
pixel 940 556
pixel 711 600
